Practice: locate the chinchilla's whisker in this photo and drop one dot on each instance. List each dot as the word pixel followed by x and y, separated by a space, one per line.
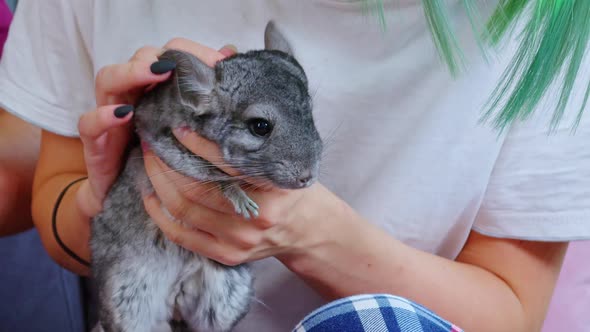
pixel 186 188
pixel 251 186
pixel 182 177
pixel 150 177
pixel 327 156
pixel 312 95
pixel 326 152
pixel 181 188
pixel 332 133
pixel 141 157
pixel 170 171
pixel 265 184
pixel 328 143
pixel 218 166
pixel 207 165
pixel 260 173
pixel 212 192
pixel 257 300
pixel 182 169
pixel 237 162
pixel 247 176
pixel 247 187
pixel 206 193
pixel 330 140
pixel 198 182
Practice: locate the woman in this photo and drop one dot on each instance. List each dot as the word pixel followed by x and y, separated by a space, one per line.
pixel 419 199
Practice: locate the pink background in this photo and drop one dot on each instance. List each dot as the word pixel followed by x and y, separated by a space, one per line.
pixel 570 306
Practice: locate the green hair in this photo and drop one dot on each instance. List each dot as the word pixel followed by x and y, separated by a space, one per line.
pixel 553 43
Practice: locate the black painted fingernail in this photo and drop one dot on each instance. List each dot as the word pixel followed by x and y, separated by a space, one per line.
pixel 162 66
pixel 121 111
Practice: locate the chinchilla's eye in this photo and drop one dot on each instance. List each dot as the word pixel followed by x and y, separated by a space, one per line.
pixel 259 127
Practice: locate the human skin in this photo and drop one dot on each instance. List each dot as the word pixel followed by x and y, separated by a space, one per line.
pixel 493 285
pixel 19 147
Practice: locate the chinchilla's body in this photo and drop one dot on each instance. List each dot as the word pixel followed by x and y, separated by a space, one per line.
pixel 256 107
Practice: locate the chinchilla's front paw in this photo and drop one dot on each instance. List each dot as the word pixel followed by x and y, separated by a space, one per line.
pixel 97 328
pixel 243 204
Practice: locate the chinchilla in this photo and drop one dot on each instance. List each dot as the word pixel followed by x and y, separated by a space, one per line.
pixel 256 107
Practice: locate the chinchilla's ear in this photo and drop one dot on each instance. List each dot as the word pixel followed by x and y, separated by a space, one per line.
pixel 274 39
pixel 195 80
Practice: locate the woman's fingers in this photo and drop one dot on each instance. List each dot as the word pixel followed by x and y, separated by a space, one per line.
pixel 95 123
pixel 174 231
pixel 178 192
pixel 115 82
pixel 106 130
pixel 239 233
pixel 194 240
pixel 105 133
pixel 206 54
pixel 203 148
pixel 147 53
pixel 228 50
pixel 123 83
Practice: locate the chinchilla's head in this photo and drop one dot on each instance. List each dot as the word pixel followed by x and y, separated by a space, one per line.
pixel 255 106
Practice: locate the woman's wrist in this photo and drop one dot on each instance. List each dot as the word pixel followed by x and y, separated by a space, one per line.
pixel 63 219
pixel 54 220
pixel 340 253
pixel 87 202
pixel 322 221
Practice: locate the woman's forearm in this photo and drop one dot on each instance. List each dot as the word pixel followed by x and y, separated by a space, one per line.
pixel 72 226
pixel 61 161
pixel 19 148
pixel 373 263
pixel 346 255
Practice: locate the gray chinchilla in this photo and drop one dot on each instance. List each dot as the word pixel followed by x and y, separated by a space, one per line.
pixel 257 108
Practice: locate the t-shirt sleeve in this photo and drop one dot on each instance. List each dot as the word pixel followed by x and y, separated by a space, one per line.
pixel 46 76
pixel 540 186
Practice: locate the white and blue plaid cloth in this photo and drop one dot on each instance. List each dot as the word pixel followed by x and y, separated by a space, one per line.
pixel 374 313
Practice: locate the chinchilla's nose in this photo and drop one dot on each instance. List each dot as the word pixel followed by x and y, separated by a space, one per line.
pixel 304 179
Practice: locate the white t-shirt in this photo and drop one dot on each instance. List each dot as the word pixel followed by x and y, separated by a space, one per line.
pixel 405 145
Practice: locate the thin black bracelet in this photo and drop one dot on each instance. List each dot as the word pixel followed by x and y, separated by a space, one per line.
pixel 54 225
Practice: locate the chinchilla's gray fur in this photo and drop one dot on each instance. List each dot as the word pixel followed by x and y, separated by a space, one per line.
pixel 144 281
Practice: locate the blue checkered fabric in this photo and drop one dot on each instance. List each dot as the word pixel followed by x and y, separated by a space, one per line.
pixel 374 313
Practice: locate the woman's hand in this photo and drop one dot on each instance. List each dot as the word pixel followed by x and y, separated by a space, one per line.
pixel 314 233
pixel 209 224
pixel 211 227
pixel 105 131
pixel 216 231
